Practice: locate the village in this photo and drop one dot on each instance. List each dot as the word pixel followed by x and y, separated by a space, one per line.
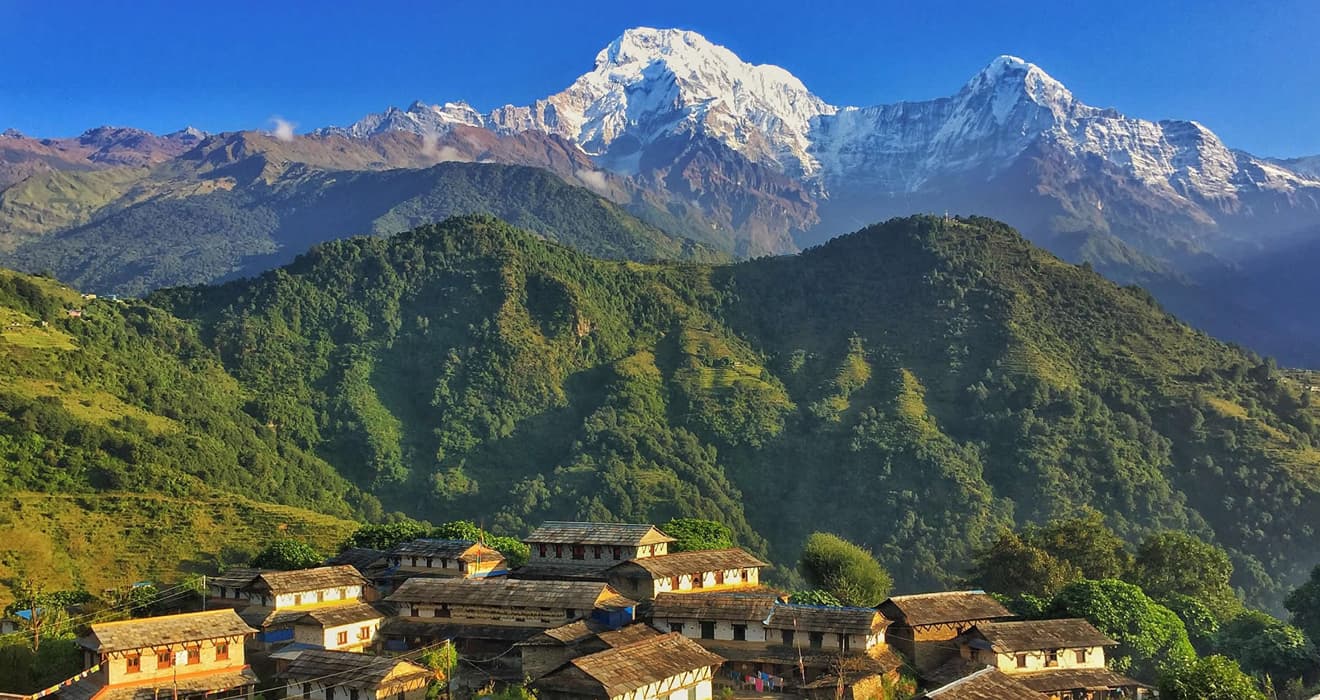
pixel 600 611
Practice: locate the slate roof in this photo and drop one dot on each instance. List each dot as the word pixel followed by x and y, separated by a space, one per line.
pixel 265 618
pixel 737 605
pixel 351 669
pixel 678 563
pixel 161 631
pixel 503 593
pixel 236 577
pixel 986 684
pixel 435 629
pixel 562 532
pixel 341 615
pixel 280 582
pixel 462 550
pixel 583 631
pixel 939 608
pixel 1027 635
pixel 1075 679
pixel 359 558
pixel 627 668
pixel 826 618
pixel 214 682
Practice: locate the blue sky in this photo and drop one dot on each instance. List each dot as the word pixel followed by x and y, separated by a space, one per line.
pixel 1245 69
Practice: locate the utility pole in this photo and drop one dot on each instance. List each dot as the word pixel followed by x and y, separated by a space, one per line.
pixel 204 591
pixel 35 591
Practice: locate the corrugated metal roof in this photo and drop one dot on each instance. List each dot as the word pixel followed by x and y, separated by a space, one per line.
pixel 164 630
pixel 623 534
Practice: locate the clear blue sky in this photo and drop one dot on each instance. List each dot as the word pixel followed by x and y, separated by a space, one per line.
pixel 1245 69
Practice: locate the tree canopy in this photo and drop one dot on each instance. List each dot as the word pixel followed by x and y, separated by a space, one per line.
pixel 695 533
pixel 1178 563
pixel 844 570
pixel 1304 604
pixel 1149 635
pixel 1209 678
pixel 287 555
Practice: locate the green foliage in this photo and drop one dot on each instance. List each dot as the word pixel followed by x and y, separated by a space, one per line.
pixel 1209 678
pixel 1178 563
pixel 287 555
pixel 942 371
pixel 512 548
pixel 387 536
pixel 1304 604
pixel 844 570
pixel 508 692
pixel 1086 543
pixel 25 670
pixel 1014 568
pixel 1149 635
pixel 814 597
pixel 1201 622
pixel 694 534
pixel 1265 646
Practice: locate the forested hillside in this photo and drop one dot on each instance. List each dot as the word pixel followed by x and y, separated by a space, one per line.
pixel 199 222
pixel 914 386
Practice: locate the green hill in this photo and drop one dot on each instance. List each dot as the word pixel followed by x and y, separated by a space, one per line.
pixel 913 387
pixel 132 230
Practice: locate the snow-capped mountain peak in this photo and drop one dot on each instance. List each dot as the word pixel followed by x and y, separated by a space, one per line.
pixel 651 83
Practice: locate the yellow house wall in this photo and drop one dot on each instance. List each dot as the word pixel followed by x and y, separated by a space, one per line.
pixel 116 666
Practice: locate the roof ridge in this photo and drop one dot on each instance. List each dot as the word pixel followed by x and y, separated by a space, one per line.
pixel 937 593
pixel 140 620
pixel 964 679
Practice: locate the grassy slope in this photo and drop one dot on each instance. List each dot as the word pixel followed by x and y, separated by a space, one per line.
pixel 106 540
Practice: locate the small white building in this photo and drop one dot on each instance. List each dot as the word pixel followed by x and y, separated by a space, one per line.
pixel 569 547
pixel 339 627
pixel 686 572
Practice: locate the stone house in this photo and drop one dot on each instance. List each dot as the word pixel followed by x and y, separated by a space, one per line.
pixel 685 572
pixel 925 625
pixel 668 667
pixel 573 549
pixel 198 653
pixel 340 675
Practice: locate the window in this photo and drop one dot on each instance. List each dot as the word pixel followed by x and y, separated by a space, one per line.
pixel 343 593
pixel 364 632
pixel 597 551
pixel 816 639
pixel 444 564
pixel 329 692
pixel 194 656
pixel 342 638
pixel 676 627
pixel 719 578
pixel 132 663
pixel 707 629
pixel 352 694
pixel 414 611
pixel 787 636
pixel 443 610
pixel 222 651
pixel 1081 656
pixel 1021 660
pixel 297 599
pixel 843 642
pixel 544 549
pixel 579 551
pixel 740 633
pixel 559 551
pixel 618 553
pixel 1052 657
pixel 320 596
pixel 430 562
pixel 164 659
pixel 569 613
pixel 307 689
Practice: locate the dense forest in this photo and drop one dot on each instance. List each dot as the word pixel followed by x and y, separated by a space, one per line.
pixel 914 386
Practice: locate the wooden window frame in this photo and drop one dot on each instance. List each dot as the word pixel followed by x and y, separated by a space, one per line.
pixel 132 663
pixel 341 638
pixel 222 651
pixel 164 660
